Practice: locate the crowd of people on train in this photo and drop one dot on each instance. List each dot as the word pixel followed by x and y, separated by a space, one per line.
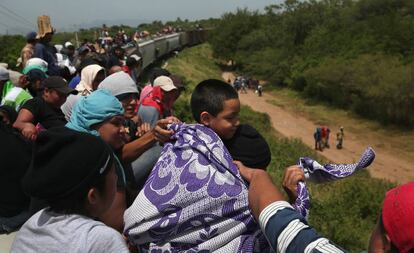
pixel 92 161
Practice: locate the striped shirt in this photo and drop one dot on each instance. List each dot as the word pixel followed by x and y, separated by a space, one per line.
pixel 287 231
pixel 14 96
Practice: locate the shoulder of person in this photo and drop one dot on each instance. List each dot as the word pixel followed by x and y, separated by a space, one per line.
pixel 102 238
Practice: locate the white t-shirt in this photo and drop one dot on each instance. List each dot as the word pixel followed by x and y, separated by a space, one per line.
pixel 47 231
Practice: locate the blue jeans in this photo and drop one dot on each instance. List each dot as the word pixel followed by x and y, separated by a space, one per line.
pixel 143 165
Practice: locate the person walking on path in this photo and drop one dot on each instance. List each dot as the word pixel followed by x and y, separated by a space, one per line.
pixel 317 135
pixel 340 138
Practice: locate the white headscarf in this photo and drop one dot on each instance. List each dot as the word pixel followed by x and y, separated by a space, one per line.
pixel 88 74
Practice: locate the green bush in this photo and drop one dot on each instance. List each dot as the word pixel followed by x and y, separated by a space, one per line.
pixel 346 211
pixel 379 87
pixel 355 55
pixel 11 46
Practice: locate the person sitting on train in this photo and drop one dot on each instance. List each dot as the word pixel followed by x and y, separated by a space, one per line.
pixel 155 72
pixel 153 106
pixel 91 75
pixel 102 114
pixel 116 57
pixel 131 67
pixel 124 89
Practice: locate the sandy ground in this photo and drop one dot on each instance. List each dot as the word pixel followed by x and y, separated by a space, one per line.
pixel 387 165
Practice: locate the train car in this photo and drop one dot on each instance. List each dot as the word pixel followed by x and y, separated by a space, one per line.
pixel 191 40
pixel 184 39
pixel 204 35
pixel 161 48
pixel 131 49
pixel 147 50
pixel 173 42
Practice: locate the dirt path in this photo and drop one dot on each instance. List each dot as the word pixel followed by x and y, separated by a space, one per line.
pixel 387 164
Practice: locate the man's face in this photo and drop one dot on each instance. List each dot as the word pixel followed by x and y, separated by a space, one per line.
pixel 379 242
pixel 129 104
pixel 227 121
pixel 54 97
pixel 169 98
pixel 119 53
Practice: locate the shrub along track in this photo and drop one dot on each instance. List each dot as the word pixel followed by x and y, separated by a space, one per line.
pixel 387 165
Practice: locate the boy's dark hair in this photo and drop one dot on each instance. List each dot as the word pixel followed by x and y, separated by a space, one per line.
pixel 209 96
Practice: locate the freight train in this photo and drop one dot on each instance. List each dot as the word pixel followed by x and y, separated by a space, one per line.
pixel 150 50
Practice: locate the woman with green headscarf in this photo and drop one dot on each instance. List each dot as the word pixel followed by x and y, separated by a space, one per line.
pixel 101 114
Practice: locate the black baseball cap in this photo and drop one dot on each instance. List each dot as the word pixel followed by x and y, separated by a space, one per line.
pixel 59 84
pixel 36 75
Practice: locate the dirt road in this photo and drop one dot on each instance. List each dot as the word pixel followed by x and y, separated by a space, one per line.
pixel 387 164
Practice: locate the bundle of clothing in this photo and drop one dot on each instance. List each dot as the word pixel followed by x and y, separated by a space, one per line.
pixel 194 200
pixel 315 172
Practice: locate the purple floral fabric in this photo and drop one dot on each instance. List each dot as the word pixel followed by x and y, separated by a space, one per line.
pixel 194 200
pixel 318 173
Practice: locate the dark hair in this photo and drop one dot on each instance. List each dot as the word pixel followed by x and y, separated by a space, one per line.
pixel 209 96
pixel 91 60
pixel 131 62
pixel 75 202
pixel 157 72
pixel 10 111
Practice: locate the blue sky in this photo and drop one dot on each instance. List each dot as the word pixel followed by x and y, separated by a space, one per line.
pixel 19 16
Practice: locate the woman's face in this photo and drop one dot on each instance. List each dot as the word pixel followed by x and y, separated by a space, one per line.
pixel 112 131
pixel 100 76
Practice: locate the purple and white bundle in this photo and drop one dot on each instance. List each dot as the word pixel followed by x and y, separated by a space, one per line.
pixel 315 172
pixel 194 200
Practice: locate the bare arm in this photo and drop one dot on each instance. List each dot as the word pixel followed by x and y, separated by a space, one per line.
pixel 262 191
pixel 278 220
pixel 131 151
pixel 26 55
pixel 24 123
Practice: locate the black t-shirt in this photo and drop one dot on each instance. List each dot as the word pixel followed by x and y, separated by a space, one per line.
pixel 44 113
pixel 131 128
pixel 15 154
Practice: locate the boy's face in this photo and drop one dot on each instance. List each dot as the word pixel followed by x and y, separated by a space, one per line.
pixel 110 188
pixel 101 201
pixel 226 122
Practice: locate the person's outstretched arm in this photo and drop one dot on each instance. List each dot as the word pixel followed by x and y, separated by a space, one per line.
pixel 132 150
pixel 285 229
